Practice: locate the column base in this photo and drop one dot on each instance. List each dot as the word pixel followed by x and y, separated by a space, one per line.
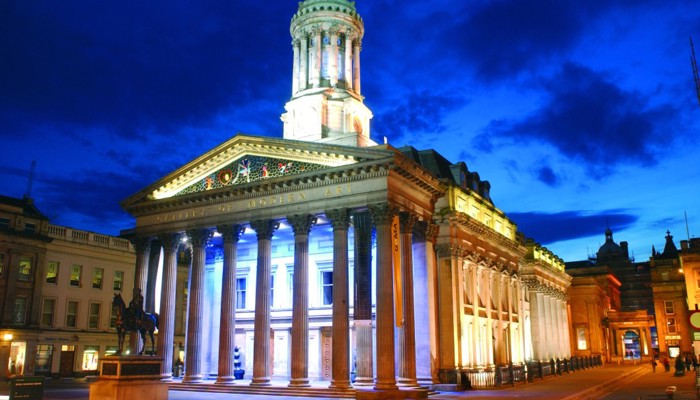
pixel 340 385
pixel 299 382
pixel 260 381
pixel 386 386
pixel 364 381
pixel 192 379
pixel 166 378
pixel 225 380
pixel 407 382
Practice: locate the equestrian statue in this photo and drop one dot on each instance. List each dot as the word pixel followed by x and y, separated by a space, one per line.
pixel 134 319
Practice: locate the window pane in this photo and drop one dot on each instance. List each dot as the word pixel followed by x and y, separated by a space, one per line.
pixel 97 278
pixel 94 316
pixel 47 312
pixel 71 314
pixel 43 358
pixel 240 293
pixel 20 310
pixel 118 280
pixel 327 287
pixel 75 274
pixel 29 228
pixel 2 263
pixel 25 269
pixel 52 272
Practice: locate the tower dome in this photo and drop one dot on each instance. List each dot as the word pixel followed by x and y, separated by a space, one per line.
pixel 326 103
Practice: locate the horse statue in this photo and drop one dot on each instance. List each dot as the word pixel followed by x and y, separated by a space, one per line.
pixel 127 321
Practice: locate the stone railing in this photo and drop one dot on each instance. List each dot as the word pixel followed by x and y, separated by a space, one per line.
pixel 89 238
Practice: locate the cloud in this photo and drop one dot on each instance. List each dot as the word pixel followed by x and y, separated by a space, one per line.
pixel 590 119
pixel 547 228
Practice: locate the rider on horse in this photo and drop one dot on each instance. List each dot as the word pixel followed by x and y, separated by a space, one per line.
pixel 136 307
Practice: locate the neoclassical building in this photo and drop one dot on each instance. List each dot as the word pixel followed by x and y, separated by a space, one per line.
pixel 325 256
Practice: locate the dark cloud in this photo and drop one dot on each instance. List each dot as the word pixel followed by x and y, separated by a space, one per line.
pixel 547 228
pixel 130 66
pixel 547 176
pixel 588 118
pixel 416 113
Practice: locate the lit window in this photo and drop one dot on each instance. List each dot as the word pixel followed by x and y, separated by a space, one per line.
pixel 71 314
pixel 118 280
pixel 90 358
pixel 671 324
pixel 94 316
pixel 25 269
pixel 52 272
pixel 97 275
pixel 20 310
pixel 76 272
pixel 113 319
pixel 581 338
pixel 47 312
pixel 44 353
pixel 326 288
pixel 240 293
pixel 668 306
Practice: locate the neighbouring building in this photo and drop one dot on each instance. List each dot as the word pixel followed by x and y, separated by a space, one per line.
pixel 57 286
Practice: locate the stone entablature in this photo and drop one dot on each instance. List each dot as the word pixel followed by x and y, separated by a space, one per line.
pixel 543 255
pixel 461 202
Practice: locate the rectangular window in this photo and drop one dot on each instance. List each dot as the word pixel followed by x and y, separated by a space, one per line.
pixel 290 285
pixel 118 280
pixel 272 291
pixel 4 223
pixel 29 228
pixel 94 316
pixel 2 263
pixel 113 319
pixel 671 324
pixel 97 275
pixel 76 272
pixel 52 272
pixel 25 269
pixel 240 293
pixel 326 288
pixel 581 338
pixel 668 306
pixel 20 310
pixel 71 314
pixel 44 354
pixel 90 358
pixel 47 312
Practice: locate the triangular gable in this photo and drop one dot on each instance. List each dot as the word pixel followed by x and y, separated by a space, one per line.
pixel 224 165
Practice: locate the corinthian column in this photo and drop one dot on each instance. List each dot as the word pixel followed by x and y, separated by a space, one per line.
pixel 407 338
pixel 356 66
pixel 363 299
pixel 317 60
pixel 383 215
pixel 166 321
pixel 261 336
pixel 227 327
pixel 295 67
pixel 304 62
pixel 340 219
pixel 143 251
pixel 301 224
pixel 347 63
pixel 193 356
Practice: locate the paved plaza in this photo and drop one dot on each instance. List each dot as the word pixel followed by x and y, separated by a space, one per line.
pixel 625 382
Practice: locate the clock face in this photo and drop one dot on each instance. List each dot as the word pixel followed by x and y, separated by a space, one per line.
pixel 357 124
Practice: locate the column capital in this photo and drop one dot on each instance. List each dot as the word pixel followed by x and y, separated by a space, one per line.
pixel 301 223
pixel 199 237
pixel 406 222
pixel 420 229
pixel 383 214
pixel 142 244
pixel 339 218
pixel 448 250
pixel 231 233
pixel 170 241
pixel 264 228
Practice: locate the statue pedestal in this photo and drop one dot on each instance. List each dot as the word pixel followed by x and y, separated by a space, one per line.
pixel 129 377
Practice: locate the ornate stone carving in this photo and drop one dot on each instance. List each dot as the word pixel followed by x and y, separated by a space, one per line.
pixel 199 237
pixel 264 228
pixel 231 233
pixel 449 250
pixel 301 223
pixel 406 222
pixel 339 218
pixel 170 241
pixel 141 244
pixel 419 231
pixel 382 214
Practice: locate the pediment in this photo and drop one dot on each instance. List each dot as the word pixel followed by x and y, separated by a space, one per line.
pixel 245 160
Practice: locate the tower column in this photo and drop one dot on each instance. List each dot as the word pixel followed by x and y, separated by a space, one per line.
pixel 383 215
pixel 303 76
pixel 407 338
pixel 301 224
pixel 356 66
pixel 193 355
pixel 317 59
pixel 295 67
pixel 261 336
pixel 227 327
pixel 143 252
pixel 348 61
pixel 333 56
pixel 166 323
pixel 364 337
pixel 340 219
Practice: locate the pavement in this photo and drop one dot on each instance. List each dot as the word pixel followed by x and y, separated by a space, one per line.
pixel 633 382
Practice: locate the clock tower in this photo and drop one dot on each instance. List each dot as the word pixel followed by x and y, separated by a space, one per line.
pixel 326 103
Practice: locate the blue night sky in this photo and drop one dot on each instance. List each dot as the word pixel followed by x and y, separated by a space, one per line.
pixel 581 114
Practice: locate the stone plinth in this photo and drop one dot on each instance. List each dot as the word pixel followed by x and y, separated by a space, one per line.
pixel 129 377
pixel 418 393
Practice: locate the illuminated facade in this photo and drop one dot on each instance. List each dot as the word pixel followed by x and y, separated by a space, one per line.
pixel 57 285
pixel 690 264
